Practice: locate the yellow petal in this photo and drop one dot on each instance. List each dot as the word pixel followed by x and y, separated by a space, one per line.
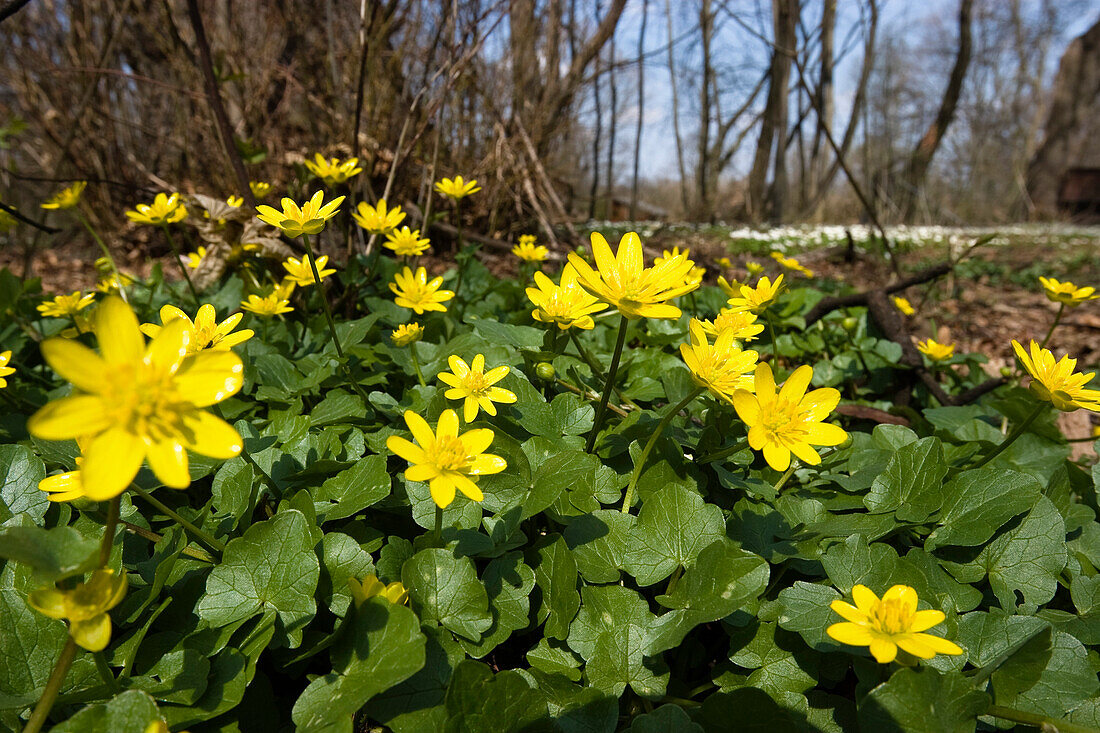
pixel 448 424
pixel 883 650
pixel 848 612
pixel 169 348
pixel 777 456
pixel 403 448
pixel 76 363
pixel 70 417
pixel 443 490
pixel 168 459
pixel 209 377
pixel 120 340
pixel 93 634
pixel 849 633
pixel 467 487
pixel 865 598
pixel 418 426
pixel 49 602
pixel 209 435
pixel 111 461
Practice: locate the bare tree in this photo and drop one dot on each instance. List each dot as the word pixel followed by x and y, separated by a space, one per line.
pixel 641 113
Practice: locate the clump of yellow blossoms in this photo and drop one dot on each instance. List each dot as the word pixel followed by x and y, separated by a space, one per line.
pixel 66 306
pixel 743 324
pixel 568 304
pixel 66 198
pixel 624 282
pixel 300 273
pixel 407 242
pixel 721 367
pixel 268 305
pixel 887 624
pixel 935 350
pixel 165 209
pixel 528 251
pixel 415 291
pixel 449 462
pixel 472 383
pixel 377 219
pixel 903 305
pixel 457 188
pixel 5 370
pixel 371 586
pixel 135 401
pixel 788 420
pixel 757 300
pixel 1066 293
pixel 333 170
pixel 295 221
pixel 259 188
pixel 1056 382
pixel 194 259
pixel 204 332
pixel 85 607
pixel 406 334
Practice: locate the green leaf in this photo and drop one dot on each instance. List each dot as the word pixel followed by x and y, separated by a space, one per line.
pixel 341 559
pixel 509 583
pixel 20 472
pixel 554 657
pixel 979 502
pixel 232 488
pixel 338 406
pixel 724 579
pixel 478 700
pixel 54 554
pixel 922 700
pixel 748 709
pixel 989 636
pixel 804 608
pixel 854 562
pixel 417 703
pixel 556 575
pixel 272 566
pixel 674 525
pixel 778 659
pixel 129 712
pixel 352 490
pixel 446 589
pixel 1049 675
pixel 1022 669
pixel 31 645
pixel 911 485
pixel 600 542
pixel 665 719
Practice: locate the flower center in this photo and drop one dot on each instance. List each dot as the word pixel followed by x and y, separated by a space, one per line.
pixel 475 382
pixel 142 398
pixel 448 453
pixel 891 617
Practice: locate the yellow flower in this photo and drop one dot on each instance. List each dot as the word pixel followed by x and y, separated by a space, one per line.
pixel 1056 382
pixel 134 401
pixel 743 325
pixel 332 170
pixel 527 239
pixel 235 201
pixel 695 276
pixel 1096 431
pixel 624 282
pixel 721 367
pixel 529 252
pixel 667 255
pixel 567 304
pixel 407 242
pixel 887 624
pixel 294 221
pixel 109 284
pixel 64 306
pixel 194 259
pixel 789 421
pixel 85 607
pixel 259 188
pixel 1067 293
pixel 472 383
pixel 5 370
pixel 903 305
pixel 371 586
pixel 164 210
pixel 204 332
pixel 792 264
pixel 284 289
pixel 268 305
pixel 936 351
pixel 407 333
pixel 457 188
pixel 378 219
pixel 66 198
pixel 416 292
pixel 82 323
pixel 756 299
pixel 754 268
pixel 731 289
pixel 64 486
pixel 446 460
pixel 300 273
pixel 724 263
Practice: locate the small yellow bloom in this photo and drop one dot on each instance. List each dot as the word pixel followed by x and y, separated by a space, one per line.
pixel 887 624
pixel 743 325
pixel 936 351
pixel 457 188
pixel 472 383
pixel 235 202
pixel 66 198
pixel 724 263
pixel 667 255
pixel 754 268
pixel 64 486
pixel 790 420
pixel 299 272
pixel 527 239
pixel 82 323
pixel 333 170
pixel 624 282
pixel 378 219
pixel 1067 293
pixel 567 304
pixel 407 333
pixel 371 586
pixel 5 370
pixel 1096 431
pixel 85 607
pixel 194 259
pixel 721 367
pixel 135 401
pixel 259 188
pixel 731 289
pixel 446 460
pixel 1056 382
pixel 793 264
pixel 284 289
pixel 407 242
pixel 755 299
pixel 164 210
pixel 66 306
pixel 294 221
pixel 266 306
pixel 110 283
pixel 204 332
pixel 529 252
pixel 903 305
pixel 415 291
pixel 695 276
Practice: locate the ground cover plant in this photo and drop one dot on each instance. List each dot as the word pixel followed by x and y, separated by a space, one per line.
pixel 615 493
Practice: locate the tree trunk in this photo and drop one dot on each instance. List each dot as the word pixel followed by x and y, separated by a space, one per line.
pixel 593 192
pixel 786 26
pixel 612 122
pixel 778 80
pixel 676 110
pixel 704 205
pixel 825 107
pixel 641 113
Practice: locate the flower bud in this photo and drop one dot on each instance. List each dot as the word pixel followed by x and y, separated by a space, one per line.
pixel 849 324
pixel 545 371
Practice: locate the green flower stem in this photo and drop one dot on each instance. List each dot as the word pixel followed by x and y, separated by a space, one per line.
pixel 179 261
pixel 674 580
pixel 786 475
pixel 109 530
pixel 775 343
pixel 1039 721
pixel 640 463
pixel 596 371
pixel 105 672
pixel 601 411
pixel 416 365
pixel 1057 320
pixel 1016 433
pixel 53 687
pixel 106 252
pixel 438 532
pixel 200 535
pixel 588 396
pixel 725 452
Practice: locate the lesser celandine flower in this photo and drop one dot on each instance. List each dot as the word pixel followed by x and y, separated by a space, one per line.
pixel 754 268
pixel 333 170
pixel 449 462
pixel 204 332
pixel 267 305
pixel 567 304
pixel 294 221
pixel 470 382
pixel 889 623
pixel 5 370
pixel 110 283
pixel 721 367
pixel 791 263
pixel 790 420
pixel 66 306
pixel 624 282
pixel 300 273
pixel 65 486
pixel 235 201
pixel 407 242
pixel 259 188
pixel 194 259
pixel 757 300
pixel 85 607
pixel 407 333
pixel 415 291
pixel 1067 293
pixel 66 198
pixel 457 188
pixel 165 209
pixel 529 251
pixel 935 350
pixel 1056 382
pixel 135 401
pixel 377 219
pixel 724 263
pixel 371 586
pixel 903 305
pixel 743 325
